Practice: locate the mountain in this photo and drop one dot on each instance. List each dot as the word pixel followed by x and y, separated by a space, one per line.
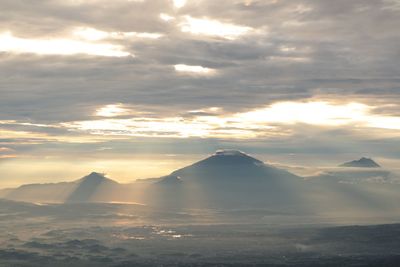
pixel 93 187
pixel 49 192
pixel 231 166
pixel 233 179
pixel 361 163
pixel 228 178
pixel 88 187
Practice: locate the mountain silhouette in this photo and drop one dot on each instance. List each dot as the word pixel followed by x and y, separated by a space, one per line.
pixel 231 179
pixel 361 163
pixel 93 187
pixel 48 192
pixel 90 185
pixel 231 166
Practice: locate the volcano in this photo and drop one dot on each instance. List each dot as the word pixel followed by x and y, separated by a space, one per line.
pixel 231 166
pixel 232 178
pixel 361 163
pixel 90 186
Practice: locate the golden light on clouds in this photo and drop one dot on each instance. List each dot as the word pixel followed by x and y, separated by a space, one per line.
pixel 92 34
pixel 112 110
pixel 214 28
pixel 257 122
pixel 166 17
pixel 316 113
pixel 209 122
pixel 7 153
pixel 5 150
pixel 12 44
pixel 194 69
pixel 179 3
pixel 166 127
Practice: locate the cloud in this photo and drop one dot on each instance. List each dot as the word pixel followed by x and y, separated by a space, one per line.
pixel 92 34
pixel 200 70
pixel 112 110
pixel 65 61
pixel 5 149
pixel 179 3
pixel 211 27
pixel 260 122
pixel 12 44
pixel 166 17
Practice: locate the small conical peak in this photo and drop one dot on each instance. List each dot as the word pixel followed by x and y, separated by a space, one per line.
pixel 361 163
pixel 229 157
pixel 95 177
pixel 229 152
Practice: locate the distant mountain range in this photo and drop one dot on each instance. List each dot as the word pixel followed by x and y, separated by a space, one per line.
pixel 230 179
pixel 86 189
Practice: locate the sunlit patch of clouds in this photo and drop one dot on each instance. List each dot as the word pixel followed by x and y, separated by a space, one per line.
pixel 85 2
pixel 29 137
pixel 179 3
pixel 166 127
pixel 322 113
pixel 199 70
pixel 5 149
pixel 210 27
pixel 81 40
pixel 65 47
pixel 316 113
pixel 166 17
pixel 248 2
pixel 112 110
pixel 212 111
pixel 294 49
pixel 92 34
pixel 286 48
pixel 209 122
pixel 7 153
pixel 384 122
pixel 258 122
pixel 7 156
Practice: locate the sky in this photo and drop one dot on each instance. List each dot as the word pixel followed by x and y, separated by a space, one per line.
pixel 138 88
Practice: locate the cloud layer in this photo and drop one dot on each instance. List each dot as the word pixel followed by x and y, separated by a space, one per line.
pixel 100 72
